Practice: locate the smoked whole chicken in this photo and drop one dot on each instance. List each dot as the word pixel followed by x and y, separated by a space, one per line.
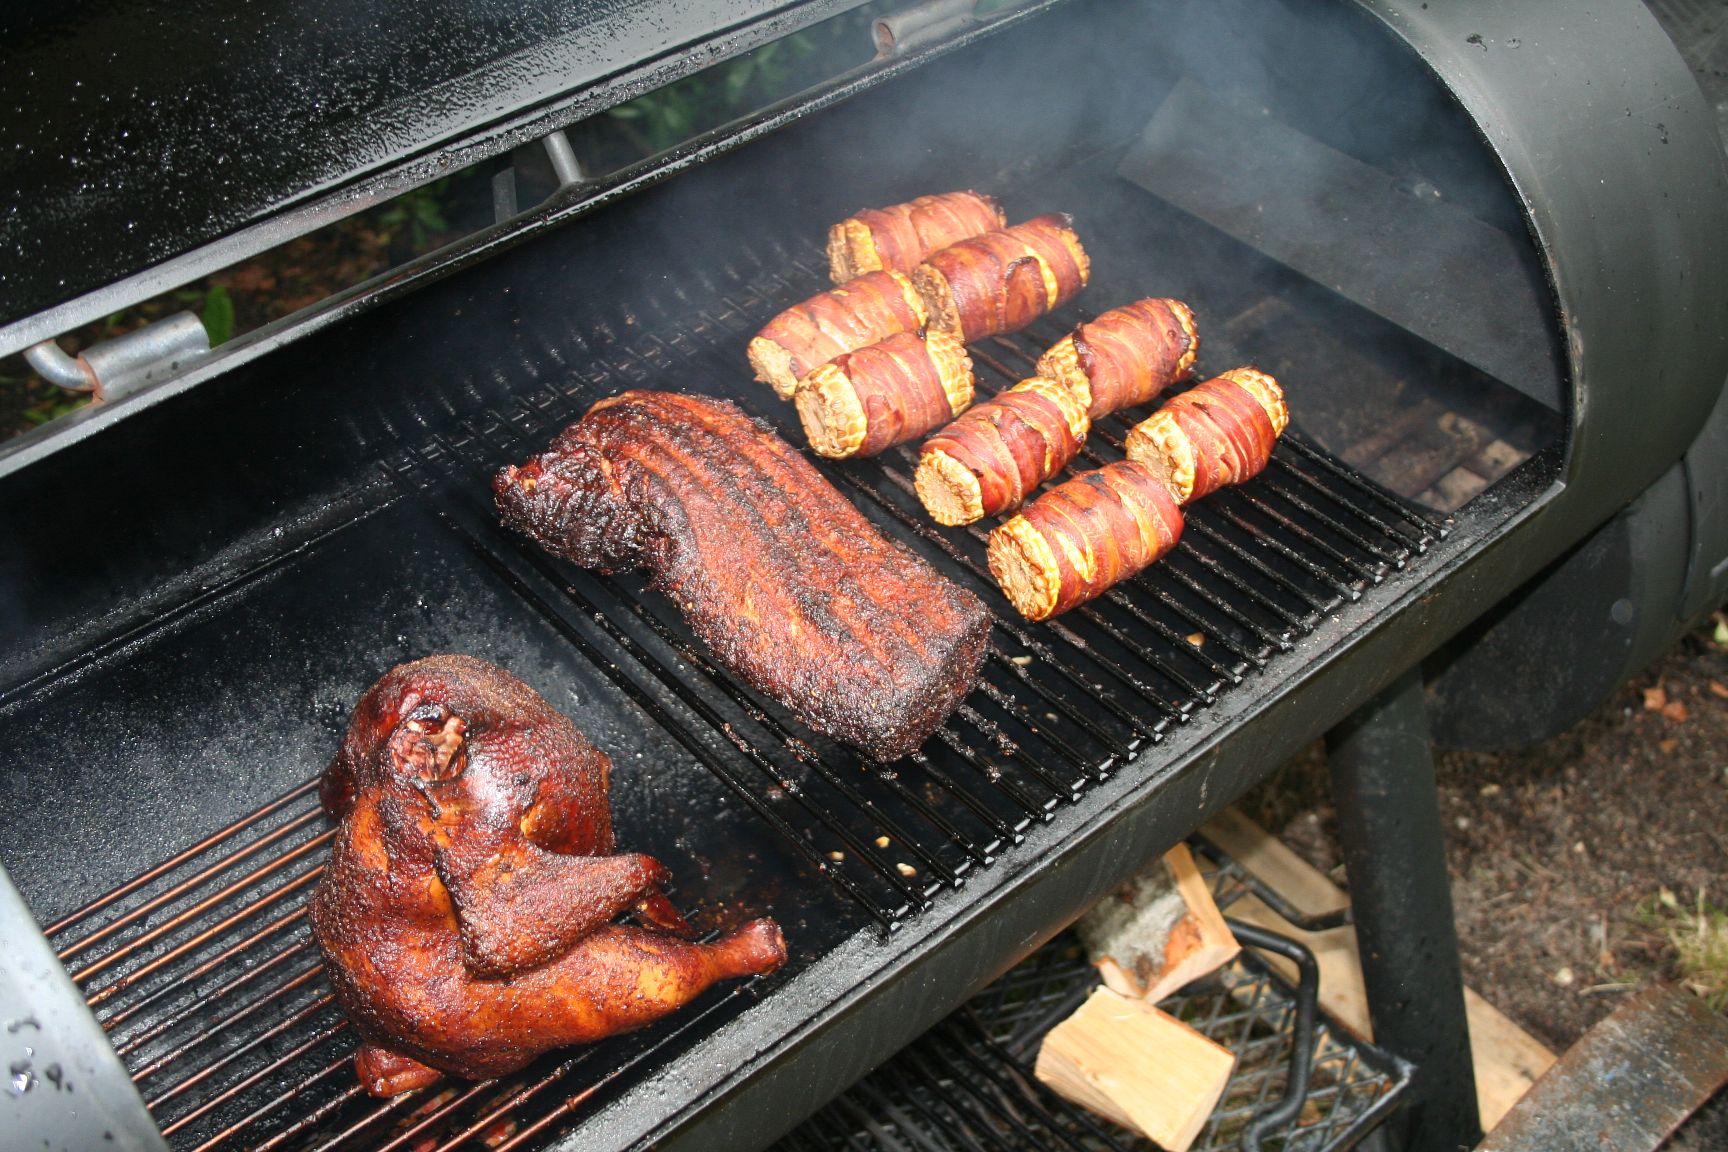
pixel 467 916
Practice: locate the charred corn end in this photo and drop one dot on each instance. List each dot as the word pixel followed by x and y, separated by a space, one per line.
pixel 913 297
pixel 1185 317
pixel 1159 443
pixel 948 489
pixel 851 251
pixel 1025 568
pixel 938 300
pixel 1062 364
pixel 773 366
pixel 828 407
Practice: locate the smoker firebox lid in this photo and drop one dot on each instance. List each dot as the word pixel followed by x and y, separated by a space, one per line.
pixel 136 131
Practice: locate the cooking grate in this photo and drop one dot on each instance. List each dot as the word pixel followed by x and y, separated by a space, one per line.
pixel 203 972
pixel 968 1082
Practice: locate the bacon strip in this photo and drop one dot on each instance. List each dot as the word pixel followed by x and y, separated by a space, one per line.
pixel 887 393
pixel 832 323
pixel 1127 356
pixel 1081 537
pixel 1218 433
pixel 989 460
pixel 899 237
pixel 1002 281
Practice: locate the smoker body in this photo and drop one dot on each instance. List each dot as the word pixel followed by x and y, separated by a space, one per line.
pixel 197 582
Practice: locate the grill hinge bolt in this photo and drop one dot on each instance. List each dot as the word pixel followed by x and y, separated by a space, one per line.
pixel 121 366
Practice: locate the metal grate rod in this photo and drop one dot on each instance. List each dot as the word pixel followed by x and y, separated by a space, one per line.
pixel 695 701
pixel 191 883
pixel 173 1019
pixel 263 932
pixel 203 937
pixel 307 1120
pixel 178 859
pixel 799 748
pixel 887 916
pixel 224 1021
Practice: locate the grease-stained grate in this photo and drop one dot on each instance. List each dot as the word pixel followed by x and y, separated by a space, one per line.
pixel 202 970
pixel 968 1082
pixel 1060 706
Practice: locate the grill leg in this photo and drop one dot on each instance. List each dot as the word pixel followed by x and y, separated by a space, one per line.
pixel 1382 770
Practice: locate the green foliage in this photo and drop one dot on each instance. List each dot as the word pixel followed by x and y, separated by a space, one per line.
pixel 660 119
pixel 420 211
pixel 218 315
pixel 1699 933
pixel 53 406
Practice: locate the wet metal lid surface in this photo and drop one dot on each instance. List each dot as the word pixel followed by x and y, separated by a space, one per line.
pixel 135 131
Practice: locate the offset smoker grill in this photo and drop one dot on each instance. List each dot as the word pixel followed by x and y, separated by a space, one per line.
pixel 271 530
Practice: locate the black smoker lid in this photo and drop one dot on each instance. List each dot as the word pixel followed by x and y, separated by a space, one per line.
pixel 136 131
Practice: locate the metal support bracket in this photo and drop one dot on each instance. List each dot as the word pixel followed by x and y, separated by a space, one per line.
pixel 1382 769
pixel 118 367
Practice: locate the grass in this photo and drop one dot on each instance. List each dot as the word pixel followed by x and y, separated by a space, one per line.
pixel 1699 933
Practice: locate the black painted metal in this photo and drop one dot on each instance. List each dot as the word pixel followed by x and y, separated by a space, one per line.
pixel 1389 827
pixel 243 559
pixel 200 968
pixel 141 131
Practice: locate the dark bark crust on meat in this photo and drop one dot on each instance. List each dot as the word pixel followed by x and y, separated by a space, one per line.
pixel 775 571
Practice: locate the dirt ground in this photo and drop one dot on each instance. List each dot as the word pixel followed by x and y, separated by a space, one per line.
pixel 1559 854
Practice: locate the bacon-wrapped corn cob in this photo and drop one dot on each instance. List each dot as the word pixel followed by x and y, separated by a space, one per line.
pixel 989 460
pixel 1126 356
pixel 829 324
pixel 1081 537
pixel 1217 433
pixel 1002 281
pixel 898 238
pixel 886 393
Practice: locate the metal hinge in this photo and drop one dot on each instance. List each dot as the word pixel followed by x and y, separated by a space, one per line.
pixel 118 367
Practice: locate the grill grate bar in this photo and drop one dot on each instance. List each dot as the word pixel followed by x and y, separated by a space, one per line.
pixel 189 884
pixel 1222 504
pixel 1008 748
pixel 227 1020
pixel 1371 573
pixel 1407 541
pixel 287 1024
pixel 1175 567
pixel 1396 557
pixel 268 929
pixel 1426 528
pixel 887 916
pixel 449 1108
pixel 800 750
pixel 177 859
pixel 1119 751
pixel 262 872
pixel 203 1002
pixel 1316 604
pixel 695 701
pixel 250 910
pixel 307 1120
pixel 233 1090
pixel 1035 809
